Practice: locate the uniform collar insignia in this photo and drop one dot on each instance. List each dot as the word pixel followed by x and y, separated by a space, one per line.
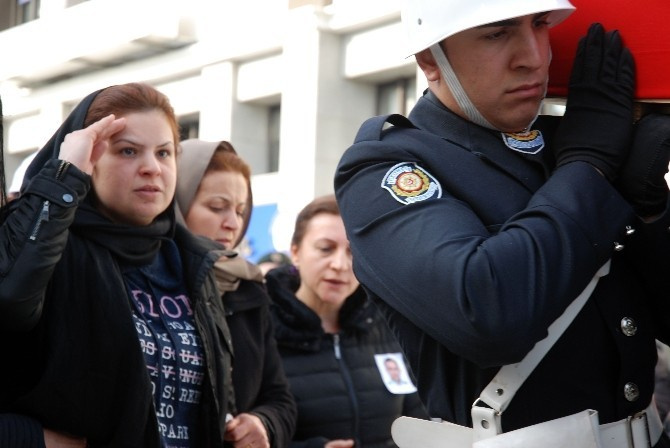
pixel 528 142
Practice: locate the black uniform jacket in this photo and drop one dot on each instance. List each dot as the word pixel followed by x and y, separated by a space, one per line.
pixel 337 385
pixel 260 384
pixel 472 274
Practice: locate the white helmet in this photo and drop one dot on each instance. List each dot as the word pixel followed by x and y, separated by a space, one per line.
pixel 427 22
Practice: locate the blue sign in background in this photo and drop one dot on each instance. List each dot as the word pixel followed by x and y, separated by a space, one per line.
pixel 259 233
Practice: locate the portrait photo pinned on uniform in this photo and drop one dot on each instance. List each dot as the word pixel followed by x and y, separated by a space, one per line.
pixel 394 373
pixel 408 183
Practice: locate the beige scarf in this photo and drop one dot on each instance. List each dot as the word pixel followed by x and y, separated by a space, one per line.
pixel 231 268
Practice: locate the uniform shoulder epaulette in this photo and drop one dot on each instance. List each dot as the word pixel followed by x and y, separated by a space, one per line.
pixel 373 127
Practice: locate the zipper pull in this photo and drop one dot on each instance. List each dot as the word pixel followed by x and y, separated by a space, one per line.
pixel 336 346
pixel 64 165
pixel 44 216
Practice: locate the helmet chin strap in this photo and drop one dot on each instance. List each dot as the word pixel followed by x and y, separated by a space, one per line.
pixel 459 94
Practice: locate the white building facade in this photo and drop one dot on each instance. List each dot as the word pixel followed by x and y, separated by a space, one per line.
pixel 286 82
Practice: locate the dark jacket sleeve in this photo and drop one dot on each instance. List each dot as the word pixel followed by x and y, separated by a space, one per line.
pixel 33 237
pixel 649 250
pixel 19 431
pixel 314 442
pixel 413 407
pixel 261 387
pixel 466 285
pixel 275 404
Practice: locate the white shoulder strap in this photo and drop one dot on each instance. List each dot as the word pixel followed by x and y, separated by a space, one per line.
pixel 500 391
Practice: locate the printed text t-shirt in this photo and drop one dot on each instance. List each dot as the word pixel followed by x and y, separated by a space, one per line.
pixel 171 344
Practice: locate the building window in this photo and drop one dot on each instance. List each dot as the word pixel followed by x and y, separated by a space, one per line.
pixel 396 97
pixel 274 118
pixel 189 126
pixel 25 11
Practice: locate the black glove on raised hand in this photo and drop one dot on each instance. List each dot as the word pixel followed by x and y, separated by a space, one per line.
pixel 597 126
pixel 641 179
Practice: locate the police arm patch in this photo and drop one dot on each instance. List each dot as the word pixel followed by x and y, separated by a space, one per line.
pixel 409 183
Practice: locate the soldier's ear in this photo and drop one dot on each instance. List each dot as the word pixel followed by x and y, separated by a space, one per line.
pixel 428 65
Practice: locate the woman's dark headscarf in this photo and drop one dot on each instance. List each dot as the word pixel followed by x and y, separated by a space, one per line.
pixel 132 244
pixel 73 122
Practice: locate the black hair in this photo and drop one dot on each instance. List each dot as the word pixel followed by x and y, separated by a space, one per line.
pixel 3 187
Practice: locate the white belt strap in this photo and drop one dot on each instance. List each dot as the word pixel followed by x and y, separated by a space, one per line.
pixel 641 430
pixel 500 391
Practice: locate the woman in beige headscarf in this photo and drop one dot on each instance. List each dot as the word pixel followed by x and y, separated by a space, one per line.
pixel 214 201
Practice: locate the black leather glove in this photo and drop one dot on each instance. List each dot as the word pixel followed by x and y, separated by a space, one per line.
pixel 597 126
pixel 641 179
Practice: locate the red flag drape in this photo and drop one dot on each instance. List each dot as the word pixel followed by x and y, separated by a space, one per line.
pixel 645 29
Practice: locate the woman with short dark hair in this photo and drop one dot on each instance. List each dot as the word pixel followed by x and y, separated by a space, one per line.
pixel 333 342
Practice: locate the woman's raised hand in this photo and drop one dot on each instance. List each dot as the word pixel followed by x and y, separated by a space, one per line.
pixel 83 147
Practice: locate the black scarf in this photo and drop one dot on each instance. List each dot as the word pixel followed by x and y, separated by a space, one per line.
pixel 129 244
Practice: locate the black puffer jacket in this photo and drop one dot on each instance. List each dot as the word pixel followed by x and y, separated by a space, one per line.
pixel 336 383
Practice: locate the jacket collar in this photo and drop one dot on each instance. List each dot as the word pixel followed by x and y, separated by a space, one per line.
pixel 298 326
pixel 431 115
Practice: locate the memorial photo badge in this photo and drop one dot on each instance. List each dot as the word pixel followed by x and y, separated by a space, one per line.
pixel 394 373
pixel 408 183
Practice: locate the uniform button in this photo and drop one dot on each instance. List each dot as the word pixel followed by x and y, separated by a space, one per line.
pixel 631 392
pixel 628 326
pixel 630 230
pixel 67 197
pixel 618 247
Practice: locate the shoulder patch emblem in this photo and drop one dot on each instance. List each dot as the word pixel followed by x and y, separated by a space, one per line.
pixel 408 183
pixel 529 142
